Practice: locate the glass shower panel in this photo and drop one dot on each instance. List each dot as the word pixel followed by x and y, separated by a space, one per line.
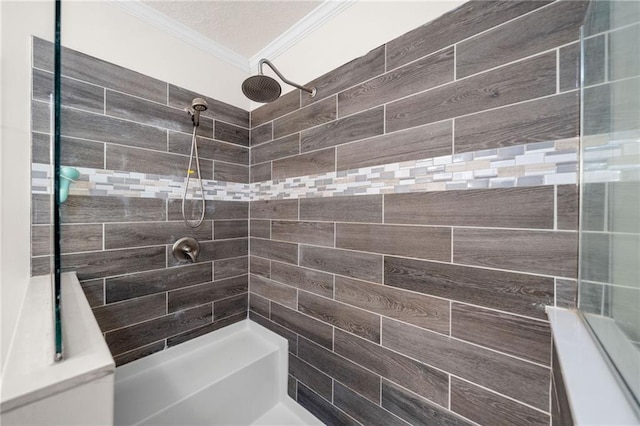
pixel 57 198
pixel 609 278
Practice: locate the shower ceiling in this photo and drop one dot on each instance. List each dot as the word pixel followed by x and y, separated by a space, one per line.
pixel 242 26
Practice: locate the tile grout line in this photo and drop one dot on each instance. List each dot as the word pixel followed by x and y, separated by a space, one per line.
pixel 558 71
pixel 555 207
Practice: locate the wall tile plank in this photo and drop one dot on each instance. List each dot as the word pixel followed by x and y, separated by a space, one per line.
pixel 311 377
pixel 228 172
pixel 272 290
pixel 359 126
pixel 140 284
pixel 428 72
pixel 181 98
pixel 229 133
pixel 432 140
pixel 361 208
pixel 275 250
pixel 529 79
pixel 550 253
pixel 283 147
pixel 260 172
pixel 460 23
pixel 484 367
pixel 488 408
pixel 322 409
pixel 544 29
pixel 184 298
pixel 285 104
pixel 118 315
pixel 411 241
pixel 347 75
pixel 308 327
pixel 98 264
pixel 357 378
pixel 415 376
pixel 317 233
pixel 261 134
pixel 310 116
pixel 274 209
pixel 518 293
pixel 305 279
pixel 74 93
pixel 83 67
pixel 518 336
pixel 154 114
pixel 362 409
pixel 152 162
pixel 223 229
pixel 547 119
pixel 304 164
pixel 73 239
pixel 129 338
pixel 124 235
pixel 180 143
pixel 227 268
pixel 424 311
pixel 510 207
pixel 416 410
pixel 353 264
pixel 207 328
pixel 341 315
pixel 216 210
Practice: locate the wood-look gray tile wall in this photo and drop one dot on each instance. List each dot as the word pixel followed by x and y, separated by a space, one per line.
pixel 463 326
pixel 118 119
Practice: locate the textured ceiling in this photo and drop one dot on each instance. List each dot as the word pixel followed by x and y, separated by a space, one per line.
pixel 242 26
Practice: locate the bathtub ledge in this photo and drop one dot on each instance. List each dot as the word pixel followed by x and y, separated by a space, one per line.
pixel 30 372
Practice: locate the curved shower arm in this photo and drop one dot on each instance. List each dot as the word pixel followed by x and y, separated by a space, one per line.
pixel 310 90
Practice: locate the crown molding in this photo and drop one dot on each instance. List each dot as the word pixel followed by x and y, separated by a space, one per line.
pixel 318 16
pixel 159 20
pixel 299 30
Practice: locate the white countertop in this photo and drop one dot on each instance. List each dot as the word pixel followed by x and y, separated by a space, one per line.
pixel 30 372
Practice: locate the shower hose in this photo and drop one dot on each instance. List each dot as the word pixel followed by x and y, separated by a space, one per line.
pixel 194 147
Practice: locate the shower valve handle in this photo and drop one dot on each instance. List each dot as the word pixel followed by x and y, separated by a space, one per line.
pixel 186 249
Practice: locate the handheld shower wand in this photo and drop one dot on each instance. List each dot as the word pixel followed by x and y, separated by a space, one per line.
pixel 197 106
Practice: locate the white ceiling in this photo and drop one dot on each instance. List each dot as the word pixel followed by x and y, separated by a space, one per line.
pixel 244 27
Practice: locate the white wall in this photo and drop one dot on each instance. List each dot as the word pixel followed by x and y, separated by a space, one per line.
pixel 19 21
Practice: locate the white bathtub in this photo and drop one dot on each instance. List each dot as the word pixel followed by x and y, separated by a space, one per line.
pixel 233 376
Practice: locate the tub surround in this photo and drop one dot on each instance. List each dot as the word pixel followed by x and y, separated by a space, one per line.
pixel 32 379
pixel 407 226
pixel 409 272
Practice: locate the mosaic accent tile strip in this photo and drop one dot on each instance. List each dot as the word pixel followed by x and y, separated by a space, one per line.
pixel 543 163
pixel 98 182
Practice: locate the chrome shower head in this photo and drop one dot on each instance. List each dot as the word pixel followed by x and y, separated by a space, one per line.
pixel 262 88
pixel 197 106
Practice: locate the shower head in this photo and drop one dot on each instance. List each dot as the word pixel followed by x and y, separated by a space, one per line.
pixel 262 88
pixel 197 106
